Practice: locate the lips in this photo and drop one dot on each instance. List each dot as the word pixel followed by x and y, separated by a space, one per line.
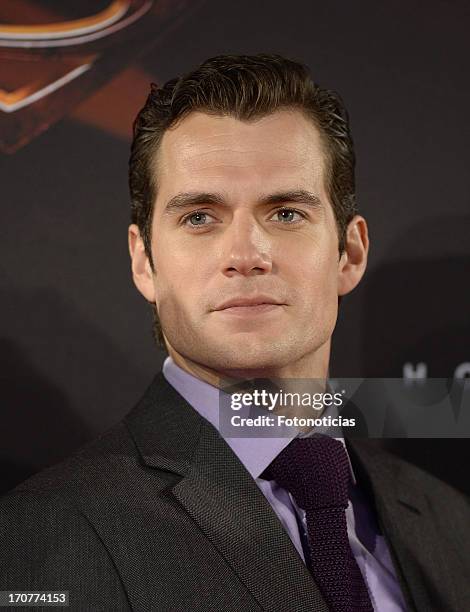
pixel 245 302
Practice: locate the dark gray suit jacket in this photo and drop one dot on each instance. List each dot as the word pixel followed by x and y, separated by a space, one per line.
pixel 159 514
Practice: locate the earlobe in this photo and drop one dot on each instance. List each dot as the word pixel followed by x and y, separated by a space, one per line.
pixel 353 261
pixel 141 270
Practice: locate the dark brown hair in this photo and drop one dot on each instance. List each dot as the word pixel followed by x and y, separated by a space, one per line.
pixel 246 87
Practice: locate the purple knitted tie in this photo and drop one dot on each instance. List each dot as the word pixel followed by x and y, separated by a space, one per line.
pixel 316 472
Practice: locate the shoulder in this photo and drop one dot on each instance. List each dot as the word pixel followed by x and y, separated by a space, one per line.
pixel 399 478
pixel 449 506
pixel 49 504
pixel 111 467
pixel 48 542
pixel 83 469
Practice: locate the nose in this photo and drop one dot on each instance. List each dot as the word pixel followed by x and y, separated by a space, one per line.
pixel 246 248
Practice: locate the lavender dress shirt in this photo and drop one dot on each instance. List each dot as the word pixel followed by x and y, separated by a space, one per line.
pixel 368 546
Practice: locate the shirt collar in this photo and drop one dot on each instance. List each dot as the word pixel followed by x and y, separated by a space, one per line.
pixel 255 453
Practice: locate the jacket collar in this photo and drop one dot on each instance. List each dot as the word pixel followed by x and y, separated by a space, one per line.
pixel 165 428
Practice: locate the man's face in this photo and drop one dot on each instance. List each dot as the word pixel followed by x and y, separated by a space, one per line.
pixel 242 215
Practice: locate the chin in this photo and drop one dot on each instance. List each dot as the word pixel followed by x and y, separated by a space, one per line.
pixel 249 361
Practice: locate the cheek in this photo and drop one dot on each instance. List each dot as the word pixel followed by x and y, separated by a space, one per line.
pixel 181 274
pixel 314 272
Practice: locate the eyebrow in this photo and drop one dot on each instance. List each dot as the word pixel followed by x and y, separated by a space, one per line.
pixel 189 199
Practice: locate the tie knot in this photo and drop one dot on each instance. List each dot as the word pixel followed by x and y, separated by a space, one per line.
pixel 314 470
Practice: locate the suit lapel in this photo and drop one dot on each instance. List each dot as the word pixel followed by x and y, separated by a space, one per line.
pixel 228 506
pixel 406 523
pixel 224 500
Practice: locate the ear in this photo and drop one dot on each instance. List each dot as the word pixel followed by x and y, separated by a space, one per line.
pixel 353 261
pixel 141 269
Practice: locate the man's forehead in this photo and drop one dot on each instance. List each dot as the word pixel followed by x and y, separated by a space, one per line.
pixel 283 141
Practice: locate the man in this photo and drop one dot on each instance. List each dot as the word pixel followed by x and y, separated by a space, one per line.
pixel 244 237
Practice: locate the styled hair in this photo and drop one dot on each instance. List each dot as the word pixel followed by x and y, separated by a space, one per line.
pixel 246 87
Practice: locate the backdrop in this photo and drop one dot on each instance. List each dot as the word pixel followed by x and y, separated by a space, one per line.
pixel 77 347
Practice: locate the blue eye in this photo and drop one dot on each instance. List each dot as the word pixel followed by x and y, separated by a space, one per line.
pixel 285 215
pixel 196 219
